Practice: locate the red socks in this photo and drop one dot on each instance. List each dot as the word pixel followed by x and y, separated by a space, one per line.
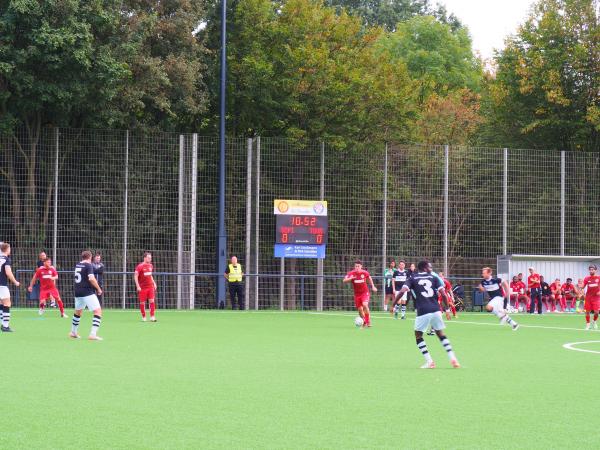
pixel 587 317
pixel 143 309
pixel 152 309
pixel 367 319
pixel 60 306
pixel 42 305
pixel 453 308
pixel 595 317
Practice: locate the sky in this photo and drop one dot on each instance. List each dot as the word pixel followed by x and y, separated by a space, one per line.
pixel 489 21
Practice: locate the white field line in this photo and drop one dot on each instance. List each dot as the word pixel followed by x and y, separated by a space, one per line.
pixel 571 346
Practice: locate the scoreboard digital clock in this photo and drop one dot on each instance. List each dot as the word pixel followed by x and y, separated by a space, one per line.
pixel 301 229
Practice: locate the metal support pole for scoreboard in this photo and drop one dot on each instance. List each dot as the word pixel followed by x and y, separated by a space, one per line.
pixel 125 223
pixel 257 225
pixel 180 222
pixel 320 261
pixel 194 200
pixel 55 225
pixel 562 202
pixel 248 220
pixel 385 205
pixel 281 283
pixel 446 199
pixel 505 205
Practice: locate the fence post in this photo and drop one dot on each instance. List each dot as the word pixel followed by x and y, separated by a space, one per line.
pixel 281 283
pixel 194 200
pixel 55 224
pixel 385 205
pixel 180 222
pixel 320 262
pixel 505 204
pixel 248 219
pixel 446 199
pixel 125 222
pixel 257 226
pixel 562 201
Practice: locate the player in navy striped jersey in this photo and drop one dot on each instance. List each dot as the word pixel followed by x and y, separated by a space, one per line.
pixel 85 289
pixel 426 286
pixel 400 276
pixel 498 292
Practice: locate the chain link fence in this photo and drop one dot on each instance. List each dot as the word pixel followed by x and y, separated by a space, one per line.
pixel 122 192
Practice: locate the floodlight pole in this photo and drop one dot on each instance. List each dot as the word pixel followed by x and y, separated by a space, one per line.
pixel 222 232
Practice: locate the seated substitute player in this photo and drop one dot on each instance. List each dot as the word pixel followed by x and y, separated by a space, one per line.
pixel 359 277
pixel 496 289
pixel 518 295
pixel 85 289
pixel 6 275
pixel 400 277
pixel 568 294
pixel 592 296
pixel 146 286
pixel 426 286
pixel 580 294
pixel 388 282
pixel 546 293
pixel 47 276
pixel 556 297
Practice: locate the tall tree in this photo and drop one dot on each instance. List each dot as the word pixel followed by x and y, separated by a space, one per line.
pixel 545 93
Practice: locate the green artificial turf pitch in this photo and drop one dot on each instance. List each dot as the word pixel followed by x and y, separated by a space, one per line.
pixel 221 379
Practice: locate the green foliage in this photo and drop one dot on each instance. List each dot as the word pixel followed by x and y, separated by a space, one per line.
pixel 545 93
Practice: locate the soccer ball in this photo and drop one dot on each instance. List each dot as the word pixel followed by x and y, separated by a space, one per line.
pixel 358 321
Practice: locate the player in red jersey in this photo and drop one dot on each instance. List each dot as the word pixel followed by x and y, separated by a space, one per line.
pixel 359 277
pixel 569 293
pixel 145 285
pixel 518 295
pixel 592 296
pixel 449 295
pixel 47 275
pixel 556 289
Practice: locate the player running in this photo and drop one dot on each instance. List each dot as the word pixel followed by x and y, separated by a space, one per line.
pixel 359 278
pixel 426 286
pixel 400 277
pixel 146 286
pixel 592 296
pixel 388 280
pixel 496 289
pixel 6 275
pixel 47 275
pixel 85 289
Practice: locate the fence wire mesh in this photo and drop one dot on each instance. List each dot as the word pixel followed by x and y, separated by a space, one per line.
pixel 122 193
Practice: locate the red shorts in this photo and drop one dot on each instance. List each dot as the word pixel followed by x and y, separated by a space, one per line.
pixel 358 301
pixel 46 294
pixel 146 294
pixel 592 304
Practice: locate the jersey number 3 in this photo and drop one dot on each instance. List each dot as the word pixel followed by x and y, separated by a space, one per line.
pixel 427 287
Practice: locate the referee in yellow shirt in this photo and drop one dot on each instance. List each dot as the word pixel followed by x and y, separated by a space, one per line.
pixel 234 275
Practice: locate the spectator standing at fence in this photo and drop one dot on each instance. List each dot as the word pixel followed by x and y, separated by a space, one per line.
pixel 146 286
pixel 6 276
pixel 98 266
pixel 235 278
pixel 535 291
pixel 546 293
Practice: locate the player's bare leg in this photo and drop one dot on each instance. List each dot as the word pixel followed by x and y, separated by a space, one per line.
pixel 75 324
pixel 448 347
pixel 152 310
pixel 95 325
pixel 504 318
pixel 367 315
pixel 422 346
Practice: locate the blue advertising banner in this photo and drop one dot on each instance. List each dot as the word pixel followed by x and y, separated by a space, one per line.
pixel 299 251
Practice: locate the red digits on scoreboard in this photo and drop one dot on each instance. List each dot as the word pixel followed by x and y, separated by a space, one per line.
pixel 319 238
pixel 284 238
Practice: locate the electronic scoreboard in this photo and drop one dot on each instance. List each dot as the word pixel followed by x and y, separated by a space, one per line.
pixel 300 228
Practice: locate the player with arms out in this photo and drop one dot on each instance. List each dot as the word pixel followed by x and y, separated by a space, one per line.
pixel 6 275
pixel 426 287
pixel 359 277
pixel 85 289
pixel 146 286
pixel 496 289
pixel 47 275
pixel 592 296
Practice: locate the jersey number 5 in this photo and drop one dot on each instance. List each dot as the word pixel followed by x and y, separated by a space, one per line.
pixel 77 276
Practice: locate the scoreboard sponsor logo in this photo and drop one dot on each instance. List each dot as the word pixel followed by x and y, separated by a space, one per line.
pixel 300 207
